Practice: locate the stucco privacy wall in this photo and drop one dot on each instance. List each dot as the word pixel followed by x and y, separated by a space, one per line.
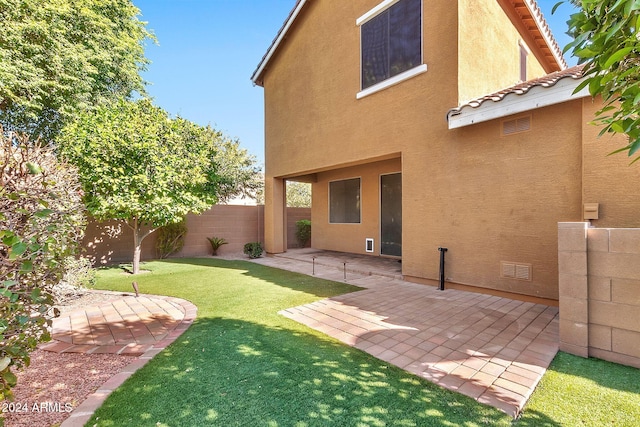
pixel 236 224
pixel 599 280
pixel 113 241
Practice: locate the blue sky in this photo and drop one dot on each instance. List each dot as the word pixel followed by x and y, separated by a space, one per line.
pixel 208 49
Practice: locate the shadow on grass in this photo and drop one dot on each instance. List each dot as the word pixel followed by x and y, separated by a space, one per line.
pixel 535 419
pixel 232 372
pixel 295 281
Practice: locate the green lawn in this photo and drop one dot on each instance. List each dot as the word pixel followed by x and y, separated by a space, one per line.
pixel 243 364
pixel 585 392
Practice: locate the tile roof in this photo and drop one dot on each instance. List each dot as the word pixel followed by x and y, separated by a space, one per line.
pixel 546 81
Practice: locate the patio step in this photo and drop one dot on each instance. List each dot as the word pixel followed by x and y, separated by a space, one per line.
pixel 363 265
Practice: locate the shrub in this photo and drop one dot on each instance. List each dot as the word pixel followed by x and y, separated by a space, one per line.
pixel 41 222
pixel 216 242
pixel 253 249
pixel 78 276
pixel 303 232
pixel 79 272
pixel 170 238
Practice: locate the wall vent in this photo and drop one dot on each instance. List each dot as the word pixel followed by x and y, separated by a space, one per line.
pixel 521 124
pixel 513 270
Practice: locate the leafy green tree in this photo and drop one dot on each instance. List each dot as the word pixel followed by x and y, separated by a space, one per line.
pixel 41 222
pixel 606 41
pixel 60 57
pixel 138 165
pixel 239 175
pixel 298 194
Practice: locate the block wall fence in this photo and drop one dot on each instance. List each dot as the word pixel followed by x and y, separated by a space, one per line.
pixel 599 291
pixel 112 241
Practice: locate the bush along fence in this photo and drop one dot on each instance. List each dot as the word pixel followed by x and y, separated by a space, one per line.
pixel 111 242
pixel 303 232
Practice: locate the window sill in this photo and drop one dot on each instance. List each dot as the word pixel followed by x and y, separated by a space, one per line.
pixel 392 81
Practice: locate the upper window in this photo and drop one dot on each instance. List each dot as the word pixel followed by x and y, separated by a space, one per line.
pixel 344 201
pixel 391 41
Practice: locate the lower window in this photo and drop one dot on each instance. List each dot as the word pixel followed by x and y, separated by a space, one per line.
pixel 344 201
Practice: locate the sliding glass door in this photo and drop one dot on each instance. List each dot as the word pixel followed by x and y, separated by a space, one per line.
pixel 391 214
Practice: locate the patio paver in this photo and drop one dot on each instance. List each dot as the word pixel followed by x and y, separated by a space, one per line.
pixel 127 325
pixel 134 326
pixel 492 349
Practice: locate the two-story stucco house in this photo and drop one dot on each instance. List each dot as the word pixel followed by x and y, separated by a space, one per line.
pixel 437 123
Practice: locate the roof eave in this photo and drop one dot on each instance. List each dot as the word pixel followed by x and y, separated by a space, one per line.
pixel 534 11
pixel 513 103
pixel 256 77
pixel 545 32
pixel 537 35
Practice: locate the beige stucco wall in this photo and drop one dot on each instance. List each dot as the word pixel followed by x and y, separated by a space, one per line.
pixel 609 181
pixel 350 237
pixel 488 198
pixel 600 292
pixel 313 121
pixel 487 42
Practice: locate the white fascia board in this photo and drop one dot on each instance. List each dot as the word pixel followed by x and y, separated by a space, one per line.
pixel 277 42
pixel 536 97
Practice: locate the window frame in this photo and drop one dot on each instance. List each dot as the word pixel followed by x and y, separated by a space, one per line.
pixel 395 79
pixel 359 178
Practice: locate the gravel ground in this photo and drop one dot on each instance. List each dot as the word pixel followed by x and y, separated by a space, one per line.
pixel 56 383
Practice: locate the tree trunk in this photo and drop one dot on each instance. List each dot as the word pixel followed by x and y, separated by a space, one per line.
pixel 137 247
pixel 137 243
pixel 136 259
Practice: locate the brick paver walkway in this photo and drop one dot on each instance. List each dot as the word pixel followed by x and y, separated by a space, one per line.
pixel 492 349
pixel 137 326
pixel 129 325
